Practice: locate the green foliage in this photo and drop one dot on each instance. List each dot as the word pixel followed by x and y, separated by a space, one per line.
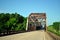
pixel 12 21
pixel 55 28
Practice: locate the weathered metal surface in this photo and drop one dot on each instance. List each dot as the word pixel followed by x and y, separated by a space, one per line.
pixel 36 19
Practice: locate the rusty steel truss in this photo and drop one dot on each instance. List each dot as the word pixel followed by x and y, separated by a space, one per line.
pixel 36 21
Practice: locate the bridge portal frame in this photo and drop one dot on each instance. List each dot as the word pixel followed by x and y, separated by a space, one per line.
pixel 32 19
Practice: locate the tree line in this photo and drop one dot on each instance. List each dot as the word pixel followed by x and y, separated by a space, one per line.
pixel 55 28
pixel 12 22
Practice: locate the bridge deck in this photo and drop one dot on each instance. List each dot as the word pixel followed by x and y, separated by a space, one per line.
pixel 34 35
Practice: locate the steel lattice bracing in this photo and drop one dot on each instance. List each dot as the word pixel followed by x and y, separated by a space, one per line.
pixel 36 21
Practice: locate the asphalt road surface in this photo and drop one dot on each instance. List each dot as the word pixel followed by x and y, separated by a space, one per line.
pixel 34 35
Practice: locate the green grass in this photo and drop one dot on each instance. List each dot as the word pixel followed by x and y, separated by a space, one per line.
pixel 51 29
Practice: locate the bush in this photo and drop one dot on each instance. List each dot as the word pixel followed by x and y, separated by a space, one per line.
pixel 12 22
pixel 55 28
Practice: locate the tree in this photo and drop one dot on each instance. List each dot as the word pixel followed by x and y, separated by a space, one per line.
pixel 12 21
pixel 56 26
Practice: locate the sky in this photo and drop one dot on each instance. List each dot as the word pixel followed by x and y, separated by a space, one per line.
pixel 25 7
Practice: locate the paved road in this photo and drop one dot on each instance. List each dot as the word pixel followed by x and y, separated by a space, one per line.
pixel 34 35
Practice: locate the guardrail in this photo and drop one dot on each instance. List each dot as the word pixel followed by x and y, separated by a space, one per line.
pixel 54 36
pixel 4 33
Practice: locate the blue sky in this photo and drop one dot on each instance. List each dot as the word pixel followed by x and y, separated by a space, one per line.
pixel 25 7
